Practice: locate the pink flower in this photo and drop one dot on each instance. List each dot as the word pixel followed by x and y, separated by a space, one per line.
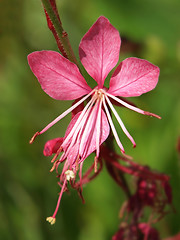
pixel 62 80
pixel 137 231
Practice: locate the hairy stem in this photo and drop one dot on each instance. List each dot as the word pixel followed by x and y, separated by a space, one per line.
pixel 59 33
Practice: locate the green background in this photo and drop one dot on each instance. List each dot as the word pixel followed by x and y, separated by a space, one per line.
pixel 28 192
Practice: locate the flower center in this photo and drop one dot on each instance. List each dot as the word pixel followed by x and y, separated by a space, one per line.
pixel 99 93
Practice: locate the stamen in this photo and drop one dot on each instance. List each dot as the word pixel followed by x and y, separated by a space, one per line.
pixel 57 154
pixel 120 122
pixel 84 128
pixel 95 164
pixel 98 129
pixel 77 125
pixel 86 136
pixel 77 160
pixel 132 107
pixel 152 114
pixel 65 113
pixel 78 128
pixel 54 165
pixel 80 175
pixel 112 127
pixel 33 137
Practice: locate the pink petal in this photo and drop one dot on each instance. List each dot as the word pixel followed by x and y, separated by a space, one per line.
pixel 133 77
pixel 99 49
pixel 52 146
pixel 58 77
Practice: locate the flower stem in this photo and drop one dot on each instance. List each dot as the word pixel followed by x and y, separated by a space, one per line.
pixel 55 25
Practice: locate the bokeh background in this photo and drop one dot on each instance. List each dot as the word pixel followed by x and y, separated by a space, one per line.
pixel 150 29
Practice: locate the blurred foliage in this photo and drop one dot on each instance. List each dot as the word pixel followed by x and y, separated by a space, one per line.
pixel 28 193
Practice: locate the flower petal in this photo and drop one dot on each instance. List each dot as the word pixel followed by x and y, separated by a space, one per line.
pixel 133 77
pixel 52 146
pixel 58 77
pixel 99 49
